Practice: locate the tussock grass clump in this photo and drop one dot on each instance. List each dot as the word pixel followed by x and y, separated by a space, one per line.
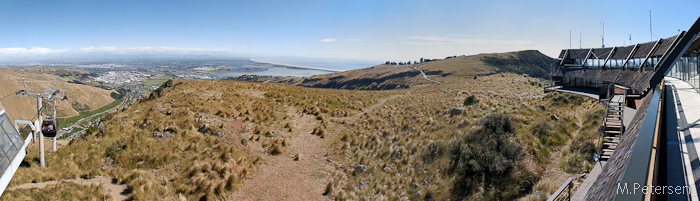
pixel 275 149
pixel 63 191
pixel 561 99
pixel 211 177
pixel 578 156
pixel 143 185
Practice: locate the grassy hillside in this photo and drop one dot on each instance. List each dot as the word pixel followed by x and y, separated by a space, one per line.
pixel 384 77
pixel 379 77
pixel 530 62
pixel 232 140
pixel 71 74
pixel 80 97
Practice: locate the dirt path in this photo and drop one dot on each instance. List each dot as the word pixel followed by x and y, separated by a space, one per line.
pixel 380 102
pixel 113 189
pixel 425 76
pixel 282 178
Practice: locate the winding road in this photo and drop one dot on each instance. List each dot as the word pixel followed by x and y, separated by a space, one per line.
pixel 61 132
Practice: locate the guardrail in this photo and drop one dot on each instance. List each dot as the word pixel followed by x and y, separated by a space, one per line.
pixel 566 187
pixel 643 163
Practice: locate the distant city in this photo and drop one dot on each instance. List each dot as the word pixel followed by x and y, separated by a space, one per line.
pixel 140 76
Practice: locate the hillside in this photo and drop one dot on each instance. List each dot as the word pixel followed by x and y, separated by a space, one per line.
pixel 65 72
pixel 233 140
pixel 80 97
pixel 382 77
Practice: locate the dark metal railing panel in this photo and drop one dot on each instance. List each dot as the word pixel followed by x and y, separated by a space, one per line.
pixel 566 187
pixel 637 169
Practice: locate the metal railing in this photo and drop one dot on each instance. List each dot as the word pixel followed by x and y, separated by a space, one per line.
pixel 566 187
pixel 603 123
pixel 644 156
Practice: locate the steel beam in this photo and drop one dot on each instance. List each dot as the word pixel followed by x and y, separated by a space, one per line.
pixel 656 45
pixel 583 64
pixel 675 40
pixel 566 53
pixel 634 49
pixel 609 55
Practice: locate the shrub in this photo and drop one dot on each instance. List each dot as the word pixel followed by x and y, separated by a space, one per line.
pixel 434 151
pixel 471 100
pixel 485 154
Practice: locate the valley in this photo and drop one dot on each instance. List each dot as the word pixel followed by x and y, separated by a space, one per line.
pixel 483 133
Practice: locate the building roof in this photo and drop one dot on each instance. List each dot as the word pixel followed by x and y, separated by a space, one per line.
pixel 622 52
pixel 631 78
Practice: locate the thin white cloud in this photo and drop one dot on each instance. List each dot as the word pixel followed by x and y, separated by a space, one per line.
pixel 353 39
pixel 150 50
pixel 428 38
pixel 31 51
pixel 463 41
pixel 328 40
pixel 11 53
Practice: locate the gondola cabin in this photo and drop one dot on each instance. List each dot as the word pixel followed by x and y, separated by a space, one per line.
pixel 49 127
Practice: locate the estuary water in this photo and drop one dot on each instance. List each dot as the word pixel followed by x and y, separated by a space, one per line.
pixel 301 67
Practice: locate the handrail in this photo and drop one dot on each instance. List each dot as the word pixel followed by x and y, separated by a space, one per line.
pixel 641 161
pixel 603 124
pixel 561 189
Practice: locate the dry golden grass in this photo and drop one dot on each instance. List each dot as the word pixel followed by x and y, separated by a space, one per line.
pixel 394 144
pixel 62 191
pixel 405 144
pixel 162 149
pixel 21 108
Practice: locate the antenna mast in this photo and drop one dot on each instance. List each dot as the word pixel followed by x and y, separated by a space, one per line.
pixel 602 40
pixel 650 33
pixel 569 39
pixel 579 41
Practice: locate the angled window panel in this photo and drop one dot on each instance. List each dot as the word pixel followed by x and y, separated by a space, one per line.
pixel 4 162
pixel 5 146
pixel 11 131
pixel 6 141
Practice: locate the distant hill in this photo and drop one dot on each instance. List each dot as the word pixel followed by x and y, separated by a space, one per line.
pixel 530 62
pixel 65 72
pixel 80 97
pixel 382 77
pixel 373 78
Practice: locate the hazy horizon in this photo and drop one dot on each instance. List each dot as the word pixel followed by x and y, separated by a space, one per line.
pixel 357 30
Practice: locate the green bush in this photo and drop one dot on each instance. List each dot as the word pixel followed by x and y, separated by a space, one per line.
pixel 471 100
pixel 484 155
pixel 434 151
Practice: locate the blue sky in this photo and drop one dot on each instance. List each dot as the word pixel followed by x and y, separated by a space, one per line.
pixel 363 30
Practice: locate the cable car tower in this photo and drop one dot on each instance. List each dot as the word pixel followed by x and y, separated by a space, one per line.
pixel 46 111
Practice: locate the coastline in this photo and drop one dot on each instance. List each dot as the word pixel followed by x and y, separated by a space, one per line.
pixel 296 66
